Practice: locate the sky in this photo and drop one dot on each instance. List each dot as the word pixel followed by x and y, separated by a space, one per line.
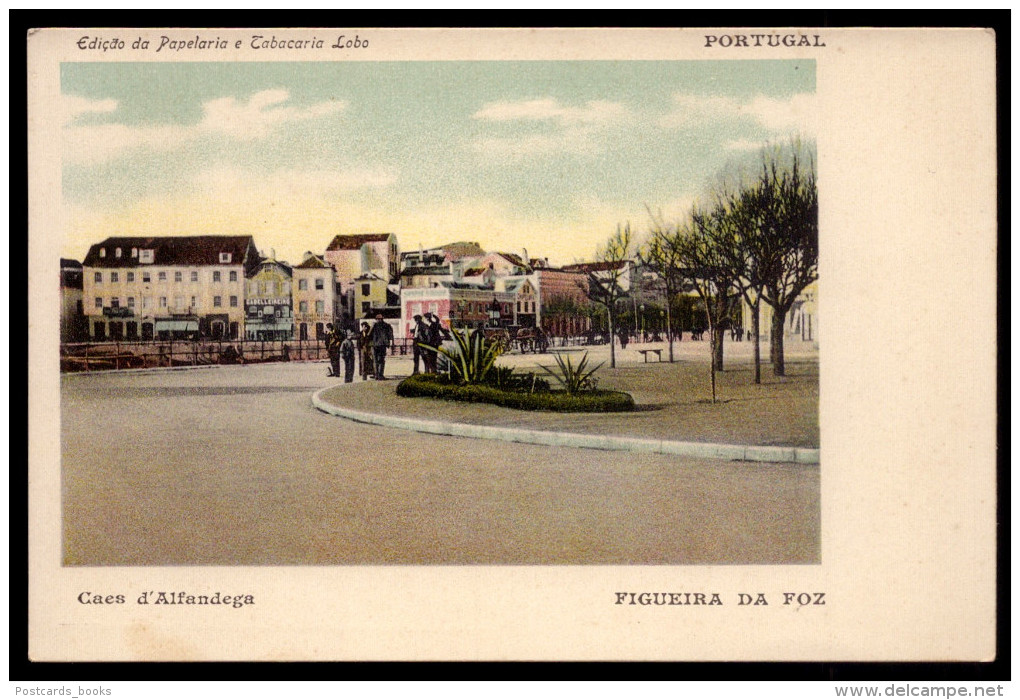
pixel 544 156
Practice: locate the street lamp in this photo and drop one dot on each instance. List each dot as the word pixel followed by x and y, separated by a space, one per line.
pixel 643 338
pixel 494 313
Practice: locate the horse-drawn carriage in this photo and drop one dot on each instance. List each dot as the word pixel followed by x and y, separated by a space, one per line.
pixel 526 339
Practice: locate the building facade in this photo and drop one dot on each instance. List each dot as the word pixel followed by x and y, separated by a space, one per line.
pixel 313 288
pixel 73 324
pixel 354 255
pixel 268 302
pixel 137 288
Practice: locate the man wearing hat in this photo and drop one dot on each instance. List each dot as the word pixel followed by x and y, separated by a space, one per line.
pixel 419 334
pixel 382 336
pixel 333 340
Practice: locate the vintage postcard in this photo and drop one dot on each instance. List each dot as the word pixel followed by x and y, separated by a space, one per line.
pixel 552 344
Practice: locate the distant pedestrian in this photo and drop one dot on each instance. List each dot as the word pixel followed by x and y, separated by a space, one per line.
pixel 333 340
pixel 381 337
pixel 419 334
pixel 365 354
pixel 623 338
pixel 347 353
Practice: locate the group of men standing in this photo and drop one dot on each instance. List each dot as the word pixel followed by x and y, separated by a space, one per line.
pixel 373 342
pixel 428 334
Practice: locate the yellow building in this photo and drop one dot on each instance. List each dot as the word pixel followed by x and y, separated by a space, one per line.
pixel 137 288
pixel 267 300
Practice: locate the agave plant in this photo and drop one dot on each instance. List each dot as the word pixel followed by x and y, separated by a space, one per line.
pixel 473 357
pixel 573 379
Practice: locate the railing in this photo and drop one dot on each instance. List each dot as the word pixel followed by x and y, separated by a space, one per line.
pixel 98 356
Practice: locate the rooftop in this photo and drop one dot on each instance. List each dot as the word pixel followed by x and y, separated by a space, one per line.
pixel 355 241
pixel 171 250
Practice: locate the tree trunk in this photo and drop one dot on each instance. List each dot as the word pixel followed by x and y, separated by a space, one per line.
pixel 755 321
pixel 712 342
pixel 612 339
pixel 718 336
pixel 776 343
pixel 669 329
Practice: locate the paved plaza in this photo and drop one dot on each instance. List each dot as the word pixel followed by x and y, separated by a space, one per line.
pixel 233 466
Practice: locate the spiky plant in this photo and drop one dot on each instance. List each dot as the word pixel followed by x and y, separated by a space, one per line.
pixel 471 362
pixel 573 379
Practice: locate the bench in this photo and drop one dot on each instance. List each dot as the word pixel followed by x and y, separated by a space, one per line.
pixel 657 351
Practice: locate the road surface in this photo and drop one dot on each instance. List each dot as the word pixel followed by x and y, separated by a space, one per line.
pixel 233 466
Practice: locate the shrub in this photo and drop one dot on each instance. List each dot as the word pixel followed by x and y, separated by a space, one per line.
pixel 442 387
pixel 574 379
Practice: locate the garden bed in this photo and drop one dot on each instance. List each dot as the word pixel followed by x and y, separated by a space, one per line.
pixel 441 387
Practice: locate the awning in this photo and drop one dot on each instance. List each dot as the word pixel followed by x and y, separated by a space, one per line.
pixel 176 326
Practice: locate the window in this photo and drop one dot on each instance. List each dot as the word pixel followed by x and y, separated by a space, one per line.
pixel 225 257
pixel 146 277
pixel 194 276
pixel 217 301
pixel 115 303
pixel 131 302
pixel 233 275
pixel 134 252
pixel 233 302
pixel 216 276
pixel 130 277
pixel 319 284
pixel 366 306
pixel 146 255
pixel 303 306
pixel 302 285
pixel 253 310
pixel 415 310
pixel 102 252
pixel 434 307
pixel 178 302
pixel 99 278
pixel 194 302
pixel 162 276
pixel 114 277
pixel 99 302
pixel 162 302
pixel 178 277
pixel 270 288
pixel 320 307
pixel 267 310
pixel 117 252
pixel 366 289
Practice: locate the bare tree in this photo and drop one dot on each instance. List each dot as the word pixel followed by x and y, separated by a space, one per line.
pixel 662 254
pixel 780 213
pixel 710 273
pixel 605 277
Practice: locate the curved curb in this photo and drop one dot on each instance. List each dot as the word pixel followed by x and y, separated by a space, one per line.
pixel 746 453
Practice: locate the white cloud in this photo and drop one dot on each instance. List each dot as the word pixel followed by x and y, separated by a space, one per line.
pixel 568 129
pixel 244 121
pixel 262 112
pixel 796 113
pixel 548 109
